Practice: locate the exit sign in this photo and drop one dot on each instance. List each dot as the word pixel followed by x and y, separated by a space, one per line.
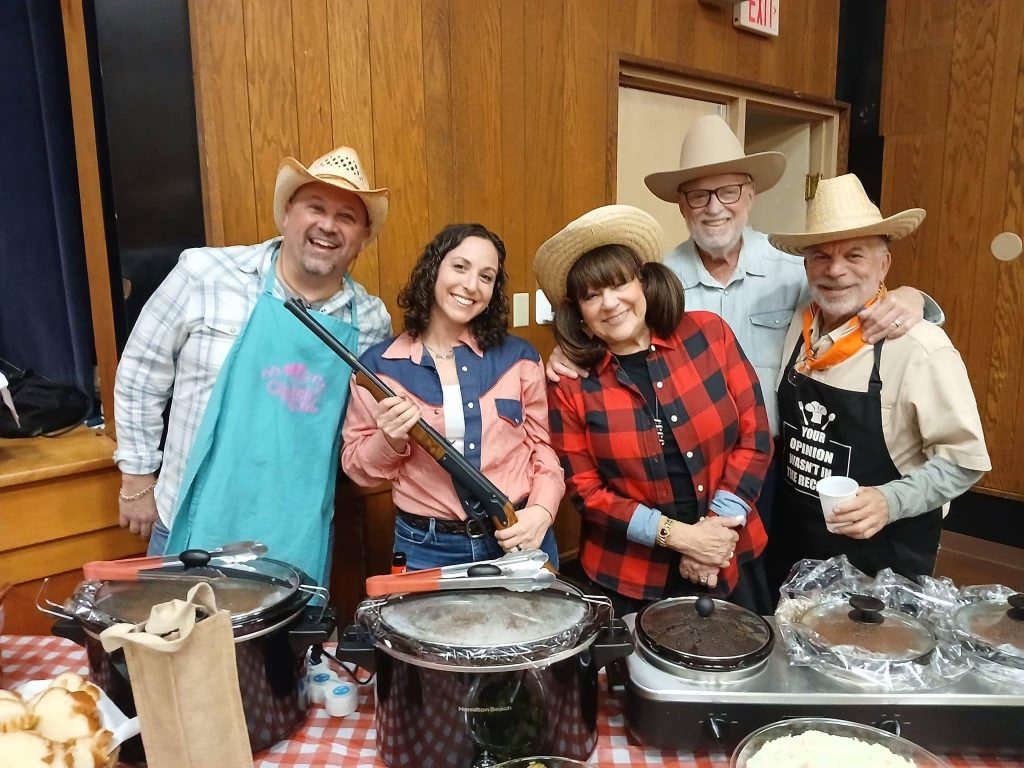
pixel 760 16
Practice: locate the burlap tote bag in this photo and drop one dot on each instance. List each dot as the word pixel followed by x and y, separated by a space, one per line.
pixel 181 662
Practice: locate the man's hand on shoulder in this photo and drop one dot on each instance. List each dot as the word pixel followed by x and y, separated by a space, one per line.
pixel 893 315
pixel 559 365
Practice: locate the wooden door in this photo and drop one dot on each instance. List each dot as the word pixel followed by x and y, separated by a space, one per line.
pixel 953 122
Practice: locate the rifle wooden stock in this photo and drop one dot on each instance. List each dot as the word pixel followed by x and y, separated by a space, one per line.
pixel 495 503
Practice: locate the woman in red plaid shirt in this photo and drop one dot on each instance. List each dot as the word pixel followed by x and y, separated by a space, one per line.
pixel 666 443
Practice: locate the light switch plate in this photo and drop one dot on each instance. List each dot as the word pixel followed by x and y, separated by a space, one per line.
pixel 520 310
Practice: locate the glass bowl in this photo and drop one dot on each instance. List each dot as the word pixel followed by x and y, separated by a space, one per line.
pixel 752 744
pixel 547 762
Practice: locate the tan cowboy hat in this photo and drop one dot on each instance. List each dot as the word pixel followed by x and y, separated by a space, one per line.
pixel 340 168
pixel 608 225
pixel 841 210
pixel 711 148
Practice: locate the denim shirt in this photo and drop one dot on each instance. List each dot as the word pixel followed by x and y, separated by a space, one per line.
pixel 758 303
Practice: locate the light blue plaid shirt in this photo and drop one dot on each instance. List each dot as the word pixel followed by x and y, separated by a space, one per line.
pixel 758 303
pixel 179 344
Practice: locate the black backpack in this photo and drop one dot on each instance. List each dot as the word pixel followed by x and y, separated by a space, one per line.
pixel 44 407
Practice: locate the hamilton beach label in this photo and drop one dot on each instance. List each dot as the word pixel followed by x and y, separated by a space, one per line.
pixel 810 454
pixel 485 710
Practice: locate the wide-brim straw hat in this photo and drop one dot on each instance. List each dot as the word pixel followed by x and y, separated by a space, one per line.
pixel 609 225
pixel 710 148
pixel 842 210
pixel 339 168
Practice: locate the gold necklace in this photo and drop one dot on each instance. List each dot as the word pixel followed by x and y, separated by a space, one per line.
pixel 439 355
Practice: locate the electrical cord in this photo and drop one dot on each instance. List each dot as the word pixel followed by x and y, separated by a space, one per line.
pixel 351 670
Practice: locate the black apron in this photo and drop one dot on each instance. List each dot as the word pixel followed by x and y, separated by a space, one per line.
pixel 830 431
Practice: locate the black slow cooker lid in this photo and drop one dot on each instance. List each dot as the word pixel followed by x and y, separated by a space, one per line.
pixel 704 633
pixel 248 590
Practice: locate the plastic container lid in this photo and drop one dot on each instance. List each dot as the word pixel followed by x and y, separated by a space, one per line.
pixel 865 626
pixel 703 633
pixel 994 628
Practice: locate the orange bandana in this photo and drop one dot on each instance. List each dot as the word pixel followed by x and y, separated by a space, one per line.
pixel 847 344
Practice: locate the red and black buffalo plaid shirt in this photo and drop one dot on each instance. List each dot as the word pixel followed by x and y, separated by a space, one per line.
pixel 711 399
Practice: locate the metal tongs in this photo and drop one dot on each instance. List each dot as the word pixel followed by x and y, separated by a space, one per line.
pixel 523 571
pixel 190 564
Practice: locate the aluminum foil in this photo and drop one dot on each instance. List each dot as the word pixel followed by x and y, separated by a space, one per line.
pixel 483 628
pixel 812 582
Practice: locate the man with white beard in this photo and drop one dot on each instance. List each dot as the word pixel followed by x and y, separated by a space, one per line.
pixel 732 270
pixel 903 422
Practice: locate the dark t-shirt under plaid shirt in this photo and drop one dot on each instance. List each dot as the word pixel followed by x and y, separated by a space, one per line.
pixel 711 400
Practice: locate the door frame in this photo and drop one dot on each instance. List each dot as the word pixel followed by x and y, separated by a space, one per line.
pixel 829 118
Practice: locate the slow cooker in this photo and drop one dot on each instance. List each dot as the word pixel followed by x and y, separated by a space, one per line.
pixel 469 678
pixel 273 622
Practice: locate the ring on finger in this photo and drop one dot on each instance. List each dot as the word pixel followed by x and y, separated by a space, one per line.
pixel 896 323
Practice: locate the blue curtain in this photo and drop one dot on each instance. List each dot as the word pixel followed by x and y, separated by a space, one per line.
pixel 45 321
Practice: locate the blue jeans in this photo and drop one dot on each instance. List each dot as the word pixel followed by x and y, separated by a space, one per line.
pixel 158 539
pixel 430 549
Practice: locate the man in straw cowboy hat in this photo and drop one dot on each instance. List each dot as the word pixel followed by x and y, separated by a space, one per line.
pixel 897 415
pixel 254 426
pixel 730 269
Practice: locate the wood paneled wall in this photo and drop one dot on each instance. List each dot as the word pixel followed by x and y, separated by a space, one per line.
pixel 467 109
pixel 953 121
pixel 497 112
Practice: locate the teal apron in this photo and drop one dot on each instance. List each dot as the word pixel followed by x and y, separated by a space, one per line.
pixel 265 461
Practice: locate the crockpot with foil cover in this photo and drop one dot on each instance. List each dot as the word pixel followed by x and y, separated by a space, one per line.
pixel 273 621
pixel 469 678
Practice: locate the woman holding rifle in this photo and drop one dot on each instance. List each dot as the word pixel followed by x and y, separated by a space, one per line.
pixel 456 367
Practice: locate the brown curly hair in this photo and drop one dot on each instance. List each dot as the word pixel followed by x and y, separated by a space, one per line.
pixel 417 297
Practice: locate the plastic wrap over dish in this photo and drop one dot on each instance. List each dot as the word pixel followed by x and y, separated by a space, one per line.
pixel 880 633
pixel 484 627
pixel 988 623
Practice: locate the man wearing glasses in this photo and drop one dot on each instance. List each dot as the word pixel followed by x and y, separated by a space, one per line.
pixel 732 270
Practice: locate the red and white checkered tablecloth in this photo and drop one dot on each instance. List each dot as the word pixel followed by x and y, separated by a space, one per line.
pixel 349 742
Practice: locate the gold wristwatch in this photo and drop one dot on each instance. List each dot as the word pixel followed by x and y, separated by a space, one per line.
pixel 664 531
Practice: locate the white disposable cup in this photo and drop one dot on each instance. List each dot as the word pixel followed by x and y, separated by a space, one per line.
pixel 833 491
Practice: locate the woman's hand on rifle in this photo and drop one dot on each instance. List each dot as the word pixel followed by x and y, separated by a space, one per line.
pixel 528 532
pixel 396 416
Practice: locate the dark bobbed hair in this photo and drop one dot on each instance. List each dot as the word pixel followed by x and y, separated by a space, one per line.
pixel 606 266
pixel 417 297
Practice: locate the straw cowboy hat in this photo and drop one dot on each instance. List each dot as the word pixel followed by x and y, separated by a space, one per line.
pixel 841 210
pixel 339 168
pixel 608 225
pixel 711 148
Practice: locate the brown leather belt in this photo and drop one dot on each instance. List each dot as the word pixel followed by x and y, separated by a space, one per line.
pixel 458 527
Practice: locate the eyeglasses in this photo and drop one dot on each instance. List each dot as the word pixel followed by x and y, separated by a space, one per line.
pixel 727 195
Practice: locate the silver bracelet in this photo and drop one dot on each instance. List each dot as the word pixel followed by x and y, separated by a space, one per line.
pixel 135 496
